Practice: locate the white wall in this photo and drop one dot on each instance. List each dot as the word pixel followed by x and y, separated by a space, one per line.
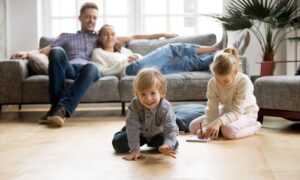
pixel 23 34
pixel 2 29
pixel 22 25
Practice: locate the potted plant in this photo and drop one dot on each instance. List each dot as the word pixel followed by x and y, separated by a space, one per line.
pixel 269 20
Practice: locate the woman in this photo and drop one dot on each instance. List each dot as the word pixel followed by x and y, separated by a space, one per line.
pixel 113 59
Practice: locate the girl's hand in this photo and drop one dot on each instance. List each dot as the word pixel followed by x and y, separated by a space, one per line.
pixel 132 58
pixel 213 129
pixel 201 133
pixel 167 150
pixel 134 155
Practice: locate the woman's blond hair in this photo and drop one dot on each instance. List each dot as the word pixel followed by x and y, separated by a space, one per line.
pixel 224 61
pixel 117 46
pixel 147 78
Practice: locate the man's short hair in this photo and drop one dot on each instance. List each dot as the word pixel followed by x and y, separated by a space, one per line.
pixel 88 5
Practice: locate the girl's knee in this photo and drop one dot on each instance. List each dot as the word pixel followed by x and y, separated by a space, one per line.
pixel 195 125
pixel 229 132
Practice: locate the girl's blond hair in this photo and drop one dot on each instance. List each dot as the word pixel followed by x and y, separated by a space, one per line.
pixel 147 78
pixel 224 61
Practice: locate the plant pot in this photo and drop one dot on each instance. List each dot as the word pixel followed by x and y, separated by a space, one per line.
pixel 267 68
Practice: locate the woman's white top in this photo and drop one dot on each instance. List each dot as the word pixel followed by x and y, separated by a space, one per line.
pixel 111 63
pixel 234 100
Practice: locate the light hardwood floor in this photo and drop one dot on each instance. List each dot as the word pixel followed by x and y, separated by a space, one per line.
pixel 82 150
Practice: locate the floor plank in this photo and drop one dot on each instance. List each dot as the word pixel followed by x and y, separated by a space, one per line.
pixel 82 150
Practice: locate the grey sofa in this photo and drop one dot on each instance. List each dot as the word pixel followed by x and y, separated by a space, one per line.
pixel 278 96
pixel 18 86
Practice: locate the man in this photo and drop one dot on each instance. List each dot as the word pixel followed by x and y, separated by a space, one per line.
pixel 69 57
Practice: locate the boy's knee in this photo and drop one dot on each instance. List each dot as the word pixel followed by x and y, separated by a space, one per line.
pixel 119 147
pixel 119 143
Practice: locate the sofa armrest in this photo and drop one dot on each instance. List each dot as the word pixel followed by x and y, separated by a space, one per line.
pixel 244 65
pixel 12 74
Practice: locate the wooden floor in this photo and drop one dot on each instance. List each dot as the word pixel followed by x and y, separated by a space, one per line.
pixel 82 150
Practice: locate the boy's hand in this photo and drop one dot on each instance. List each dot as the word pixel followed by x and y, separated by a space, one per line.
pixel 213 129
pixel 167 150
pixel 134 155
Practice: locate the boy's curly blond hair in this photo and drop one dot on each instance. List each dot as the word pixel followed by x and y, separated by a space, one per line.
pixel 147 78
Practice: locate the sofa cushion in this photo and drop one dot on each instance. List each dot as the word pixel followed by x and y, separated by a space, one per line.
pixel 35 90
pixel 185 86
pixel 145 46
pixel 44 41
pixel 38 63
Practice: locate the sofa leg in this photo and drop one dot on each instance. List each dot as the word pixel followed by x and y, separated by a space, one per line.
pixel 20 106
pixel 260 117
pixel 123 108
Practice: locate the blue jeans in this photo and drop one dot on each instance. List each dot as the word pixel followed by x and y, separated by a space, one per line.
pixel 120 141
pixel 173 58
pixel 59 70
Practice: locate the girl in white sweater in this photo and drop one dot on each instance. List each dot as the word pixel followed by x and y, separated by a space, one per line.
pixel 231 106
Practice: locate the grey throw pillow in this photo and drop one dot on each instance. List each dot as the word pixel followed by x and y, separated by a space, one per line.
pixel 185 113
pixel 38 63
pixel 145 46
pixel 44 41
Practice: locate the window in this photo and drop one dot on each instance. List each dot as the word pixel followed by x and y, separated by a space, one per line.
pixel 135 16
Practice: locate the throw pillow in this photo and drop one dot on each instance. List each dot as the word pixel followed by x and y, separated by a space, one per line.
pixel 185 113
pixel 38 63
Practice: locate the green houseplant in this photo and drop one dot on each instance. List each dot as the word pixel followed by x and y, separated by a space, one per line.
pixel 269 20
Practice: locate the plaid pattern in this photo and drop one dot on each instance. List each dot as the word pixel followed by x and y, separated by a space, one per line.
pixel 78 46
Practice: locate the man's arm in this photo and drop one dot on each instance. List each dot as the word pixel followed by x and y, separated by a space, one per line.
pixel 125 39
pixel 25 54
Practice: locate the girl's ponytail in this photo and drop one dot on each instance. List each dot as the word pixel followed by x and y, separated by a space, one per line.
pixel 224 61
pixel 232 51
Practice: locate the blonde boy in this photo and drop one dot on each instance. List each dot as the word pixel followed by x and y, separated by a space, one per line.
pixel 150 119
